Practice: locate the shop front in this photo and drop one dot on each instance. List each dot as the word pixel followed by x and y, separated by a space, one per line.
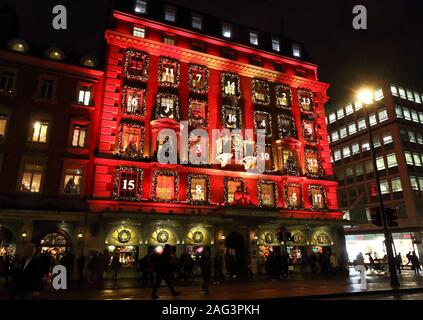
pixel 124 241
pixel 56 244
pixel 7 243
pixel 297 246
pixel 321 242
pixel 196 241
pixel 160 237
pixel 268 243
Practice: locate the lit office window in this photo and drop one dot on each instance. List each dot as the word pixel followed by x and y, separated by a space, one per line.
pixel 197 21
pixel 346 152
pixel 379 94
pixel 276 44
pixel 394 90
pixel 349 109
pixel 358 169
pixel 383 115
pixel 414 184
pixel 254 38
pixel 410 96
pixel 358 105
pixel 421 117
pixel 408 158
pixel 417 97
pixel 387 138
pixel 372 119
pixel 337 155
pixel 352 128
pixel 420 183
pixel 140 6
pixel 412 137
pixel 406 113
pixel 419 137
pixel 355 148
pixel 398 112
pixel 417 160
pixel 402 93
pixel 296 50
pixel 415 116
pixel 170 13
pixel 391 160
pixel 361 124
pixel 343 132
pixel 396 184
pixel 138 32
pixel 365 146
pixel 340 113
pixel 335 136
pixel 376 142
pixel 332 117
pixel 380 163
pixel 384 187
pixel 226 30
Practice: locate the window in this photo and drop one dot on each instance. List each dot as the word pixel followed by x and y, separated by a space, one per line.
pixel 408 158
pixel 417 160
pixel 419 138
pixel 368 165
pixel 3 125
pixel 234 189
pixel 343 132
pixel 79 136
pixel 73 181
pixel 127 184
pixel 337 155
pixel 84 95
pixel 170 40
pixel 167 107
pixel 346 152
pixel 379 94
pixel 383 115
pixel 372 119
pixel 410 96
pixel 361 124
pixel 332 117
pixel 138 32
pixel 133 101
pixel 349 172
pixel 340 113
pixel 230 84
pixel 261 92
pixel 231 117
pixel 406 113
pixel 197 114
pixel 31 177
pixel 296 50
pixel 420 183
pixel 198 78
pixel 39 129
pixel 421 117
pixel 355 148
pixel 376 142
pixel 365 146
pixel 396 184
pixel 414 184
pixel 276 44
pixel 358 105
pixel 384 187
pixel 387 138
pixel 226 30
pixel 358 169
pixel 401 92
pixel 7 81
pixel 394 90
pixel 312 161
pixel 170 13
pixel 197 21
pixel 46 89
pixel 412 137
pixel 267 192
pixel 286 126
pixel 398 112
pixel 380 163
pixel 168 72
pixel 317 197
pixel 131 140
pixel 198 188
pixel 349 109
pixel 262 120
pixel 391 160
pixel 414 116
pixel 293 197
pixel 166 186
pixel 309 131
pixel 352 128
pixel 140 6
pixel 417 97
pixel 254 38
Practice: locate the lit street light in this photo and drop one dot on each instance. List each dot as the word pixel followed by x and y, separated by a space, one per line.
pixel 366 97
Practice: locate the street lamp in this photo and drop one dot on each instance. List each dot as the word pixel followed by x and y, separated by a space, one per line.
pixel 366 97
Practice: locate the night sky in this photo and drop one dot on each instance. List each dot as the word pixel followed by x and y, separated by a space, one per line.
pixel 391 48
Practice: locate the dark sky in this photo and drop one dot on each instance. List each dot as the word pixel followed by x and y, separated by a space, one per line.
pixel 391 48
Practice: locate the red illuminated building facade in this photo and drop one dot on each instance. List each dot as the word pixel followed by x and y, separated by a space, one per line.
pixel 166 66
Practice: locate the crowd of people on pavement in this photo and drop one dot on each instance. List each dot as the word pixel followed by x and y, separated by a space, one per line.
pixel 375 264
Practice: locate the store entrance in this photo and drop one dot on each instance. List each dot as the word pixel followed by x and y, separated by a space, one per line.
pixel 56 244
pixel 236 255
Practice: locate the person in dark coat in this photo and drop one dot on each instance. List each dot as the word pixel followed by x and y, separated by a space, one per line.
pixel 218 266
pixel 29 275
pixel 415 263
pixel 164 269
pixel 205 266
pixel 81 266
pixel 398 262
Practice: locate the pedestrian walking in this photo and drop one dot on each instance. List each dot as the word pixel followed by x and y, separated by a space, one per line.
pixel 116 266
pixel 398 262
pixel 333 263
pixel 218 267
pixel 415 263
pixel 81 265
pixel 205 267
pixel 29 275
pixel 164 271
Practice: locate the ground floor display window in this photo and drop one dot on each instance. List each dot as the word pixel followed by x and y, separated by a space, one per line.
pixel 159 249
pixel 128 255
pixel 296 253
pixel 7 243
pixel 196 251
pixel 55 244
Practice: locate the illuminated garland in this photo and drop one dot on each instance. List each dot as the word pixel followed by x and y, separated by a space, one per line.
pixel 260 192
pixel 280 91
pixel 309 173
pixel 207 192
pixel 154 185
pixel 227 179
pixel 142 74
pixel 175 99
pixel 284 132
pixel 116 185
pixel 238 113
pixel 256 84
pixel 162 61
pixel 141 104
pixel 268 125
pixel 199 123
pixel 130 153
pixel 305 94
pixel 323 192
pixel 299 199
pixel 205 72
pixel 227 76
pixel 312 139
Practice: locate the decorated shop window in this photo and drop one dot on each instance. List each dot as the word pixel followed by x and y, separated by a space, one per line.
pixel 313 166
pixel 261 92
pixel 198 79
pixel 305 101
pixel 165 186
pixel 283 97
pixel 197 114
pixel 309 131
pixel 198 189
pixel 131 140
pixel 289 162
pixel 73 181
pixel 234 190
pixel 263 121
pixel 168 72
pixel 268 193
pixel 286 126
pixel 167 106
pixel 136 65
pixel 127 184
pixel 317 196
pixel 267 157
pixel 230 84
pixel 231 117
pixel 133 101
pixel 293 196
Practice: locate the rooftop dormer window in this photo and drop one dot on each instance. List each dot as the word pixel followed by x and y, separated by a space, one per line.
pixel 254 38
pixel 170 13
pixel 89 61
pixel 276 45
pixel 226 30
pixel 140 6
pixel 296 50
pixel 18 45
pixel 197 21
pixel 55 54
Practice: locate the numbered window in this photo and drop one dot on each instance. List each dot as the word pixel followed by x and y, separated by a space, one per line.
pixel 234 190
pixel 133 101
pixel 198 188
pixel 128 183
pixel 136 65
pixel 131 140
pixel 167 106
pixel 261 92
pixel 168 72
pixel 267 193
pixel 312 162
pixel 230 84
pixel 263 121
pixel 32 176
pixel 309 132
pixel 39 131
pixel 293 196
pixel 79 136
pixel 198 79
pixel 283 97
pixel 267 157
pixel 165 186
pixel 286 126
pixel 231 117
pixel 305 100
pixel 73 181
pixel 198 114
pixel 317 197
